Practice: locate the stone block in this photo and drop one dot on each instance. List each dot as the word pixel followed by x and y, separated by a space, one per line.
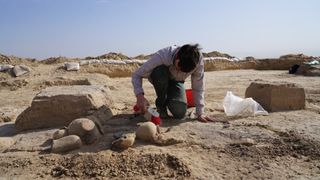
pixel 19 70
pixel 277 96
pixel 59 105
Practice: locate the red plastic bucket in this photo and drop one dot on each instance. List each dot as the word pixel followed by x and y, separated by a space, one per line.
pixel 189 95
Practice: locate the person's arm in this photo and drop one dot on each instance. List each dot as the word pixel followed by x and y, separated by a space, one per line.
pixel 142 103
pixel 197 83
pixel 160 57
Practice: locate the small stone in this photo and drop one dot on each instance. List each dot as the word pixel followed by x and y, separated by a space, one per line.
pixel 19 70
pixel 86 129
pixel 59 133
pixel 124 142
pixel 247 142
pixel 147 131
pixel 66 143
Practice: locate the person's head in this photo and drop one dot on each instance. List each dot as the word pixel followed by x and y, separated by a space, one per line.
pixel 188 57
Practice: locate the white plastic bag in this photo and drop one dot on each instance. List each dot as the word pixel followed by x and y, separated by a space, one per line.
pixel 237 106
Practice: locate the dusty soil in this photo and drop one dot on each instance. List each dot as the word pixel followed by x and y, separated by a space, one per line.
pixel 283 145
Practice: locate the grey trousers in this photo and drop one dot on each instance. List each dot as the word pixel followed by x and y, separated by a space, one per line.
pixel 170 93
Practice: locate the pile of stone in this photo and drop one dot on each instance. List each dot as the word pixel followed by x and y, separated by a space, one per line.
pixel 79 131
pixel 81 110
pixel 17 70
pixel 58 106
pixel 4 59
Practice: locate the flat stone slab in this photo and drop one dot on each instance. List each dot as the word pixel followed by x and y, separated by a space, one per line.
pixel 57 106
pixel 277 96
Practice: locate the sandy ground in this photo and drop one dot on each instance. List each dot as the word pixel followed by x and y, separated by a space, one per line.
pixel 283 145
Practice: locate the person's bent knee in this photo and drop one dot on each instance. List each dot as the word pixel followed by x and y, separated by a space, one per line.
pixel 177 109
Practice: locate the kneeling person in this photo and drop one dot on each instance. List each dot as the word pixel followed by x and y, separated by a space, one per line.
pixel 167 70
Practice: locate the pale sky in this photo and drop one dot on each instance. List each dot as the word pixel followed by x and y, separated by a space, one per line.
pixel 79 28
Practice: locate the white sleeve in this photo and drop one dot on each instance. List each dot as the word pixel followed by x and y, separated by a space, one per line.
pixel 197 84
pixel 163 56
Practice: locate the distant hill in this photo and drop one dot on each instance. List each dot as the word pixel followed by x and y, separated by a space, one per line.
pixel 143 57
pixel 210 54
pixel 295 56
pixel 4 59
pixel 217 54
pixel 120 56
pixel 53 60
pixel 14 59
pixel 110 55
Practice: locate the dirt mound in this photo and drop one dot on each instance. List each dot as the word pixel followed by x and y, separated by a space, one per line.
pixel 308 70
pixel 13 84
pixel 289 143
pixel 295 57
pixel 120 166
pixel 15 60
pixel 278 64
pixel 111 55
pixel 261 64
pixel 54 60
pixel 126 70
pixel 101 165
pixel 282 63
pixel 110 69
pixel 216 54
pixel 4 59
pixel 143 57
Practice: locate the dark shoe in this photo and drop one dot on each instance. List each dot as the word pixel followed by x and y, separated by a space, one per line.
pixel 163 113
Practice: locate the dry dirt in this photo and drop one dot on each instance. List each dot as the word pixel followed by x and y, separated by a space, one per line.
pixel 283 145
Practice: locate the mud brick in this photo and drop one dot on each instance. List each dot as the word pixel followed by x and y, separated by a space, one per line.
pixel 277 96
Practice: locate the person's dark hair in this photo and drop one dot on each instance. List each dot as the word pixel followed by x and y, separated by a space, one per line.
pixel 188 56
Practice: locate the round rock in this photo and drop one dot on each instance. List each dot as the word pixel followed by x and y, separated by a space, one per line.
pixel 147 131
pixel 59 134
pixel 125 141
pixel 85 128
pixel 66 143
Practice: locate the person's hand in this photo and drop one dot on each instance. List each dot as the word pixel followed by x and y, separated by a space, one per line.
pixel 142 103
pixel 205 119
